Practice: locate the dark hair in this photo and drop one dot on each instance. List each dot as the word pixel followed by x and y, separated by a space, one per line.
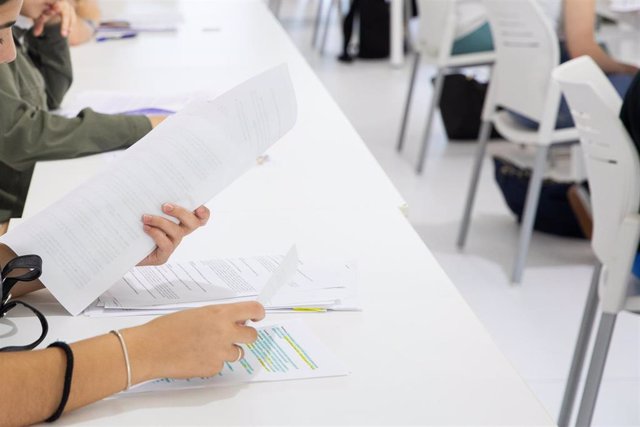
pixel 3 2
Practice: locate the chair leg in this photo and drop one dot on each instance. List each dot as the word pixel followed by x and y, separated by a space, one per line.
pixel 407 105
pixel 278 6
pixel 327 22
pixel 316 24
pixel 274 5
pixel 435 100
pixel 529 216
pixel 407 20
pixel 580 351
pixel 596 368
pixel 483 139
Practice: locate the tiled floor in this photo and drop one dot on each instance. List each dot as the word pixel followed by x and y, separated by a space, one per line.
pixel 534 324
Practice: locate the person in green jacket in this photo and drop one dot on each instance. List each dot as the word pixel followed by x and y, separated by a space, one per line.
pixel 42 384
pixel 30 88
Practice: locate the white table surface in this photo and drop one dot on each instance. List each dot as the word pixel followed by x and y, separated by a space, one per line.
pixel 417 353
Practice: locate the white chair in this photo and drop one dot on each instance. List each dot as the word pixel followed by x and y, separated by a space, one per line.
pixel 613 169
pixel 435 41
pixel 527 51
pixel 327 22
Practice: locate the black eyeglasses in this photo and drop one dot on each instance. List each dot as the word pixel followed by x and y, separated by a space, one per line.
pixel 33 266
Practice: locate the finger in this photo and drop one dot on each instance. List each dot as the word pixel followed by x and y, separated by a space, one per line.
pixel 188 220
pixel 169 228
pixel 41 21
pixel 38 25
pixel 203 214
pixel 164 245
pixel 244 311
pixel 245 334
pixel 64 11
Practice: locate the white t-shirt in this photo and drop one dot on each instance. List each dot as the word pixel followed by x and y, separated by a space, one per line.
pixel 471 15
pixel 553 10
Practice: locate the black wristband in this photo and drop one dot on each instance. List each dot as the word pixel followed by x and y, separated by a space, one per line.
pixel 68 374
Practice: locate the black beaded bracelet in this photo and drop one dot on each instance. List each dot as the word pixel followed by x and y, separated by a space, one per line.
pixel 68 374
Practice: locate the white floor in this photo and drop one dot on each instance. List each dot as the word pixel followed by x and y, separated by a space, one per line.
pixel 535 324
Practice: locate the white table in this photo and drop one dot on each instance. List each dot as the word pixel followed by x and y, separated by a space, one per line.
pixel 418 354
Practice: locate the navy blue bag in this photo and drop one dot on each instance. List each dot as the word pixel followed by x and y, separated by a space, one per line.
pixel 554 215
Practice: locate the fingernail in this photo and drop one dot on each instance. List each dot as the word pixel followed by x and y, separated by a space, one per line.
pixel 168 207
pixel 146 227
pixel 146 218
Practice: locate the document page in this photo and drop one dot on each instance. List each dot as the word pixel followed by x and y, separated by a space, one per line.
pixel 108 102
pixel 213 280
pixel 283 351
pixel 91 237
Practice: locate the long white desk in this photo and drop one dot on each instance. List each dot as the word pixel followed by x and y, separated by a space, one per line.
pixel 417 353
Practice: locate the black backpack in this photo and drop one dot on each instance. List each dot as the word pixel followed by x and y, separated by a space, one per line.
pixel 373 16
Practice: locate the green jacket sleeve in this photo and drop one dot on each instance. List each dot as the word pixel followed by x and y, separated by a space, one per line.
pixel 29 134
pixel 50 55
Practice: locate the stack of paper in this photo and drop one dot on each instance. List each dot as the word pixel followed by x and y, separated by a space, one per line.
pixel 625 5
pixel 154 21
pixel 280 282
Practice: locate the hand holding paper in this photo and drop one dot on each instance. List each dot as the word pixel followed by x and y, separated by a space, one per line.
pixel 92 237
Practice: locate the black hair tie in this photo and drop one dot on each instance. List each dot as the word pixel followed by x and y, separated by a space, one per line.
pixel 68 375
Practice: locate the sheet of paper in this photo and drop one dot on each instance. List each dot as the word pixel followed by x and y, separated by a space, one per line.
pixel 285 272
pixel 330 285
pixel 625 5
pixel 284 351
pixel 173 284
pixel 149 20
pixel 90 238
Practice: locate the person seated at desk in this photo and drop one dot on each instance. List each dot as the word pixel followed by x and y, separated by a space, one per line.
pixel 187 344
pixel 472 34
pixel 190 343
pixel 33 85
pixel 575 23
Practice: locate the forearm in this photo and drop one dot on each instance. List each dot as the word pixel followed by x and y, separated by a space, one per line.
pixel 81 32
pixel 20 289
pixel 50 53
pixel 32 383
pixel 579 25
pixel 88 9
pixel 602 58
pixel 29 134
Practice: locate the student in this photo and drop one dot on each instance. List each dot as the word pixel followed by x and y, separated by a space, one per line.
pixel 575 23
pixel 473 33
pixel 186 344
pixel 32 86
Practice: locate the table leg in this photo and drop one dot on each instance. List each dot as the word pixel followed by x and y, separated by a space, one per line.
pixel 397 54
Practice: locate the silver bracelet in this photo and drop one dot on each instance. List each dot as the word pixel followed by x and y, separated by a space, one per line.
pixel 126 356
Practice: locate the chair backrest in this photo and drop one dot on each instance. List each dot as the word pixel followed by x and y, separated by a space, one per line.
pixel 611 158
pixel 527 51
pixel 437 26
